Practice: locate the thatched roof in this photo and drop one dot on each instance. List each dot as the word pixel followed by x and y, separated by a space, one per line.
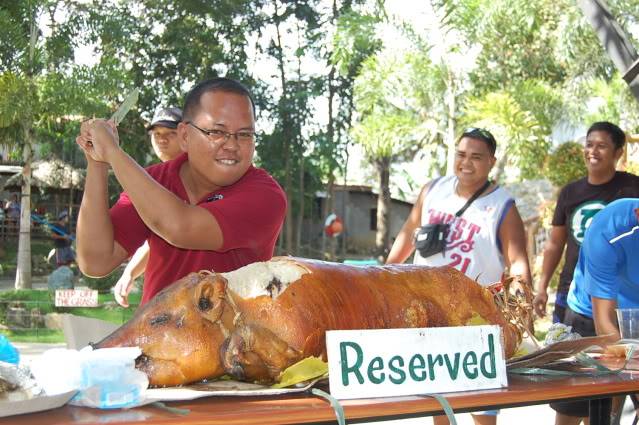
pixel 53 173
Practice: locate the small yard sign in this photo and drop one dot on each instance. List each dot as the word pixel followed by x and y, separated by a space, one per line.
pixel 393 362
pixel 76 298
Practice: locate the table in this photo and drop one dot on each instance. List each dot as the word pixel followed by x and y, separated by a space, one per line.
pixel 521 391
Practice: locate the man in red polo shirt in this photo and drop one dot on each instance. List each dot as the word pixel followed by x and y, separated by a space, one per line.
pixel 208 209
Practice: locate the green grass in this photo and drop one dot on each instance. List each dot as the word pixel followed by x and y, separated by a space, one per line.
pixel 39 251
pixel 113 313
pixel 34 335
pixel 44 301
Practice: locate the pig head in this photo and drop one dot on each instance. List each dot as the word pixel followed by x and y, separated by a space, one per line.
pixel 193 330
pixel 180 331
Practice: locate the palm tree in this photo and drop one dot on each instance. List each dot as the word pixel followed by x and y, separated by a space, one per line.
pixel 520 136
pixel 18 100
pixel 386 128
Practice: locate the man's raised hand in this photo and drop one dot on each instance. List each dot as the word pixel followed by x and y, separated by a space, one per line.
pixel 98 139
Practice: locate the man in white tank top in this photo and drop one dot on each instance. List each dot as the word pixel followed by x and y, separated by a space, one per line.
pixel 488 237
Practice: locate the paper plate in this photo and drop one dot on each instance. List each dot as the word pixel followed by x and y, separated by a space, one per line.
pixel 36 404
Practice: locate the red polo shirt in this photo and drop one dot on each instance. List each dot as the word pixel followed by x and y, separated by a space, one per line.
pixel 250 213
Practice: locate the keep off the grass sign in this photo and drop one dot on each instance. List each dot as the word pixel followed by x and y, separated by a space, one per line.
pixel 76 298
pixel 393 362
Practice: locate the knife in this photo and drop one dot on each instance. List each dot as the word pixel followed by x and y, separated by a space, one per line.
pixel 130 100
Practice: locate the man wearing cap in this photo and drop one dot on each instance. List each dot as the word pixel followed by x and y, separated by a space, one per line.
pixel 164 139
pixel 61 235
pixel 209 208
pixel 163 132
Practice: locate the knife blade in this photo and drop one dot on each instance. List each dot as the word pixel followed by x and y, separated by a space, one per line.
pixel 130 100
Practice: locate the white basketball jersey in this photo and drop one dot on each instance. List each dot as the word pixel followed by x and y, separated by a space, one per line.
pixel 472 241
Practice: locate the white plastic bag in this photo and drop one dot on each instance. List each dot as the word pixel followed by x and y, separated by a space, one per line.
pixel 58 370
pixel 106 378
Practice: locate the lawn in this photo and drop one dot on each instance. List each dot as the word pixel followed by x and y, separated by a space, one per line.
pixel 43 301
pixel 39 251
pixel 34 335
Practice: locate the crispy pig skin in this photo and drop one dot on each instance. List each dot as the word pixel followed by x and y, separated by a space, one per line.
pixel 337 296
pixel 255 337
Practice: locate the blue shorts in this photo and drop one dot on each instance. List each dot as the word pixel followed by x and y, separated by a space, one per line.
pixel 64 256
pixel 561 302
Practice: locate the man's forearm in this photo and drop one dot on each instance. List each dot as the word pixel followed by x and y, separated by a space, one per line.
pixel 401 249
pixel 604 316
pixel 520 267
pixel 157 207
pixel 94 230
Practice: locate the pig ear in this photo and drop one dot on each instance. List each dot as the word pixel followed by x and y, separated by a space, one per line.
pixel 209 297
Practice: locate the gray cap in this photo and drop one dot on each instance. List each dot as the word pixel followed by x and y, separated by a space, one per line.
pixel 166 117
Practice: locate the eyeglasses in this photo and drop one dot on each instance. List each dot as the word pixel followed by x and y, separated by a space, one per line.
pixel 215 135
pixel 482 134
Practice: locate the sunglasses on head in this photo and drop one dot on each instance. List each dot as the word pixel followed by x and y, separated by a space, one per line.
pixel 481 133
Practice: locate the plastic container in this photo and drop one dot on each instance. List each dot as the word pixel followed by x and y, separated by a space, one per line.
pixel 8 353
pixel 628 319
pixel 110 380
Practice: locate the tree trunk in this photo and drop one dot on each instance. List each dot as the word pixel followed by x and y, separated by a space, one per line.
pixel 332 241
pixel 300 213
pixel 23 271
pixel 383 209
pixel 327 208
pixel 346 202
pixel 330 135
pixel 500 166
pixel 450 127
pixel 286 125
pixel 299 148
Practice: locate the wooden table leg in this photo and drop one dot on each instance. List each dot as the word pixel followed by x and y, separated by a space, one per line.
pixel 600 411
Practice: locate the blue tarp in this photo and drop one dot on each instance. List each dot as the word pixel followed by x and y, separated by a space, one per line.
pixel 42 220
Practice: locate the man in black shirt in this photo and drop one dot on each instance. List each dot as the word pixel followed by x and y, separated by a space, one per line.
pixel 577 204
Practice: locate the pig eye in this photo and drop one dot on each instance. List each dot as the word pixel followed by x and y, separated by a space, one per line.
pixel 204 304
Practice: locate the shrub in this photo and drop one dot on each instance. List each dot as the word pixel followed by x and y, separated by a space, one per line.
pixel 102 284
pixel 565 164
pixel 39 251
pixel 633 167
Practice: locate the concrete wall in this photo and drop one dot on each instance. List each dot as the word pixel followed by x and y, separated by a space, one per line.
pixel 354 208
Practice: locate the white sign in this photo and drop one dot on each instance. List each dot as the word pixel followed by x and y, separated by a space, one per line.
pixel 393 362
pixel 76 298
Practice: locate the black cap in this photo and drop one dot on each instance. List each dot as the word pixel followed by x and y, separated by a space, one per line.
pixel 166 117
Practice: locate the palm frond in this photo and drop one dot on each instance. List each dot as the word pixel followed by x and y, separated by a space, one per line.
pixel 14 99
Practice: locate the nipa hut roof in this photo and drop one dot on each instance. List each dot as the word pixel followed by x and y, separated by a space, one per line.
pixel 53 173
